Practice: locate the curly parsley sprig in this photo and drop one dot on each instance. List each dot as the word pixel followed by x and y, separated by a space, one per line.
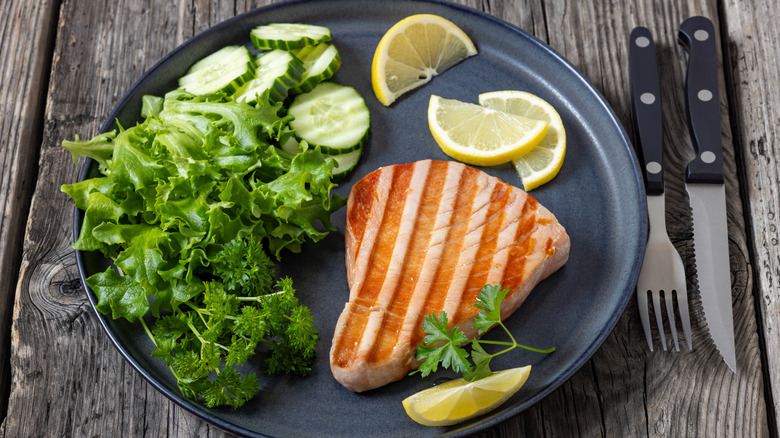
pixel 204 340
pixel 443 345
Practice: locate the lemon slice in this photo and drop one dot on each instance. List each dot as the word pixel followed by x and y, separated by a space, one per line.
pixel 481 136
pixel 544 161
pixel 415 50
pixel 459 400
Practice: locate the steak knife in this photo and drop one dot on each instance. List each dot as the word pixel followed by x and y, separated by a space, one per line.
pixel 705 184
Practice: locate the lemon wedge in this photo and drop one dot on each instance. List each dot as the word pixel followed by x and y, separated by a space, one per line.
pixel 459 400
pixel 415 50
pixel 544 161
pixel 481 136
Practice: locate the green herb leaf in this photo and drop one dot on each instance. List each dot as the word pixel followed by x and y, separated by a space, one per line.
pixel 223 329
pixel 244 267
pixel 447 350
pixel 230 388
pixel 443 346
pixel 481 358
pixel 489 299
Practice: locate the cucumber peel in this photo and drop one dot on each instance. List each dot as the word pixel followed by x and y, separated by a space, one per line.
pixel 321 63
pixel 277 71
pixel 288 36
pixel 332 116
pixel 225 70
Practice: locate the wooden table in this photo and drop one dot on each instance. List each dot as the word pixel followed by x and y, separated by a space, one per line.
pixel 66 64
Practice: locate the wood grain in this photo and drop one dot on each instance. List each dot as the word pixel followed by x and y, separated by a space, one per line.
pixel 751 46
pixel 68 380
pixel 26 30
pixel 101 47
pixel 627 378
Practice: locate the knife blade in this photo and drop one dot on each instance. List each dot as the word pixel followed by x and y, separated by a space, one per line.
pixel 705 184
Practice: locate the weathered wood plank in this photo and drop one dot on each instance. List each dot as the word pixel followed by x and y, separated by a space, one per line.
pixel 625 390
pixel 26 30
pixel 751 45
pixel 68 380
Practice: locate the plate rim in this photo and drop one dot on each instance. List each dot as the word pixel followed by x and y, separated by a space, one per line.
pixel 198 409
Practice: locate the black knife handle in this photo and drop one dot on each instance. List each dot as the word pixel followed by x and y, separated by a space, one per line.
pixel 697 36
pixel 646 106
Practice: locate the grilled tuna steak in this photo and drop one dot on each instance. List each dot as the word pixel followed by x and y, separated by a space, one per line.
pixel 425 237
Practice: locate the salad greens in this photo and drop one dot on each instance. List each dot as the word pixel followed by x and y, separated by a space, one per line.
pixel 229 322
pixel 184 183
pixel 192 204
pixel 443 346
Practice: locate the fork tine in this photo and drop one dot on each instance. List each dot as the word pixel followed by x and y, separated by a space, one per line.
pixel 642 299
pixel 685 318
pixel 668 297
pixel 659 319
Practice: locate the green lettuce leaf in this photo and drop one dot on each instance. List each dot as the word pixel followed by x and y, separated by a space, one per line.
pixel 118 295
pixel 99 148
pixel 196 174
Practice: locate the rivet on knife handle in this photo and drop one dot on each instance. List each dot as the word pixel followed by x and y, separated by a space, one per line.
pixel 697 35
pixel 646 106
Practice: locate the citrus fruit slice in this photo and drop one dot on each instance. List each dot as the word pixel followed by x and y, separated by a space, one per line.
pixel 481 136
pixel 459 400
pixel 544 161
pixel 415 50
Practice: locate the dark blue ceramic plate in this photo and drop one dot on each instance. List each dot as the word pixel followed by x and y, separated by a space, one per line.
pixel 597 196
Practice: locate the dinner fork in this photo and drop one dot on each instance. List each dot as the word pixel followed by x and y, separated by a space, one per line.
pixel 662 270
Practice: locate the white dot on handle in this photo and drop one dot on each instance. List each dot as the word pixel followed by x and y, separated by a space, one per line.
pixel 642 42
pixel 653 167
pixel 704 95
pixel 701 35
pixel 647 98
pixel 708 157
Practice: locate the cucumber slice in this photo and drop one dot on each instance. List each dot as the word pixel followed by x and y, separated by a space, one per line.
pixel 288 36
pixel 225 70
pixel 277 71
pixel 345 163
pixel 321 62
pixel 332 116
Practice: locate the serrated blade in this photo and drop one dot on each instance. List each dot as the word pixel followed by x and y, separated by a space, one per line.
pixel 704 181
pixel 711 248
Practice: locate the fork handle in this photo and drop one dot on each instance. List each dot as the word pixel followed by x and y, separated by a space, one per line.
pixel 646 107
